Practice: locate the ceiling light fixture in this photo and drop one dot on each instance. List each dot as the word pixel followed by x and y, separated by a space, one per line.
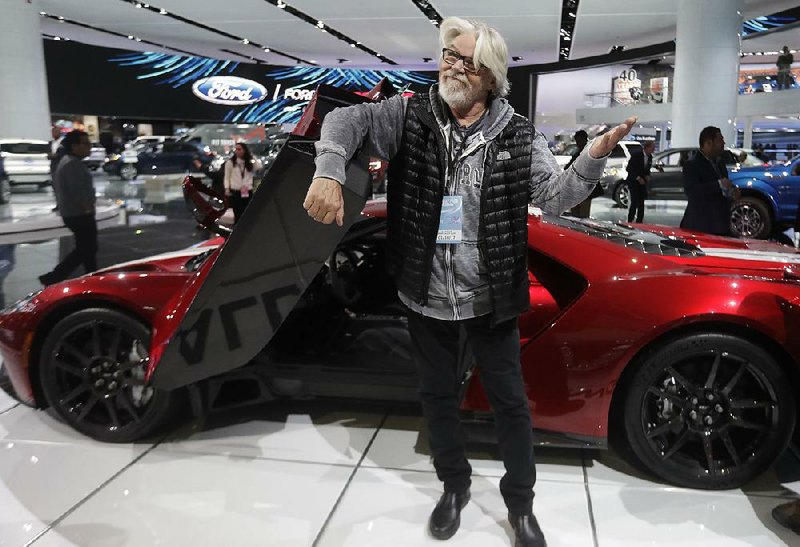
pixel 162 11
pixel 291 10
pixel 427 59
pixel 428 11
pixel 516 58
pixel 569 11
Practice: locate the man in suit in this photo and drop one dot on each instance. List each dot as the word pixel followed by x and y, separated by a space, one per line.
pixel 638 177
pixel 706 184
pixel 582 209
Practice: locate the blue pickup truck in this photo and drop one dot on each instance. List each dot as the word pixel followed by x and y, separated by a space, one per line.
pixel 770 197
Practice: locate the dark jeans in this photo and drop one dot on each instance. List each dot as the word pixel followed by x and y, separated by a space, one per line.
pixel 636 207
pixel 238 204
pixel 84 228
pixel 496 352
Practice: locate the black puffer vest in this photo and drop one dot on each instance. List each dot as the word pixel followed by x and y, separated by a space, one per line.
pixel 415 190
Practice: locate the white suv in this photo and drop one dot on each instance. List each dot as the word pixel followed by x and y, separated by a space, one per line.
pixel 24 162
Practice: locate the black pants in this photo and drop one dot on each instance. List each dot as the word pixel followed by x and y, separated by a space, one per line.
pixel 636 196
pixel 496 352
pixel 84 228
pixel 238 204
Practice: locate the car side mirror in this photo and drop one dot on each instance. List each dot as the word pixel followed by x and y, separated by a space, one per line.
pixel 206 204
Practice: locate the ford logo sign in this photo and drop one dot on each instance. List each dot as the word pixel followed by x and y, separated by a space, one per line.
pixel 229 90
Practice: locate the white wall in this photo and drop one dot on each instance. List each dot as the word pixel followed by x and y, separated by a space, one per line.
pixel 560 95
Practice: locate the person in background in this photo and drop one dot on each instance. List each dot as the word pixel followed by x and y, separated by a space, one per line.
pixel 75 198
pixel 584 208
pixel 56 151
pixel 784 64
pixel 638 176
pixel 706 184
pixel 239 178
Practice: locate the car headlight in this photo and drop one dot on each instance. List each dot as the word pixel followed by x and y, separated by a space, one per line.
pixel 113 157
pixel 611 172
pixel 22 305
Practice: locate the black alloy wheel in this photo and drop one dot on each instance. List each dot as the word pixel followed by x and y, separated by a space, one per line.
pixel 622 194
pixel 92 370
pixel 709 411
pixel 128 171
pixel 750 217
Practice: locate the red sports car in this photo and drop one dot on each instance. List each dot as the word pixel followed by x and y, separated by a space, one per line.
pixel 682 347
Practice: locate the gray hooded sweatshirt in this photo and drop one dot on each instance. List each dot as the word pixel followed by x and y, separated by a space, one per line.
pixel 459 286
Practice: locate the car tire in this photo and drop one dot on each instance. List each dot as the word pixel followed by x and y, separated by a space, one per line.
pixel 621 194
pixel 5 191
pixel 91 371
pixel 128 171
pixel 751 217
pixel 708 411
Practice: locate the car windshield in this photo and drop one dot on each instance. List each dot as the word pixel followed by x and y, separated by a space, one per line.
pixel 746 159
pixel 24 148
pixel 570 150
pixel 630 238
pixel 196 261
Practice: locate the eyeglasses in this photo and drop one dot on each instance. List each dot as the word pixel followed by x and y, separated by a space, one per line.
pixel 452 57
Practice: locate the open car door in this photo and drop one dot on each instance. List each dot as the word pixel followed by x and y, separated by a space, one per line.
pixel 234 304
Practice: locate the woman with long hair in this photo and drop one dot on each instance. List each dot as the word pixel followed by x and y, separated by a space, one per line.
pixel 239 171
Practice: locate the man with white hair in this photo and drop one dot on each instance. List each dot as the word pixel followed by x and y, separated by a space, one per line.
pixel 463 169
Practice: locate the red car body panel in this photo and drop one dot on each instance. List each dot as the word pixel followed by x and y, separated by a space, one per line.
pixel 140 288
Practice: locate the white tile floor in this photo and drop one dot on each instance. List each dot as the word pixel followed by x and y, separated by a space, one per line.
pixel 325 475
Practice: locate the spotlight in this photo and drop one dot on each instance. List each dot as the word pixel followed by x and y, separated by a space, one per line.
pixel 516 58
pixel 427 59
pixel 616 49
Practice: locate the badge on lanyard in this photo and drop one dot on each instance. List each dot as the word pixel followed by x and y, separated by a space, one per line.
pixel 450 223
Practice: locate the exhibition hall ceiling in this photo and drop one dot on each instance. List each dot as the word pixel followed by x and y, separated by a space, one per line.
pixel 380 33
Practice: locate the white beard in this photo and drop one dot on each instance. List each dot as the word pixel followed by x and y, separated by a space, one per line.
pixel 457 92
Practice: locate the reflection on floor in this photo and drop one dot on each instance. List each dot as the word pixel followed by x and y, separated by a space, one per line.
pixel 326 475
pixel 338 474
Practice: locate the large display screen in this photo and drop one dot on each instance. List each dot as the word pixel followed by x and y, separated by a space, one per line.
pixel 86 79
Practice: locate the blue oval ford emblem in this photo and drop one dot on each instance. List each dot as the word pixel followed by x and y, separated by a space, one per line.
pixel 229 90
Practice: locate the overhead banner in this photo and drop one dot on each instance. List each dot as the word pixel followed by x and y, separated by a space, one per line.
pixel 175 87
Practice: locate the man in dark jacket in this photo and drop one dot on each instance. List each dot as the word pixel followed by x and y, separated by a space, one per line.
pixel 584 208
pixel 75 199
pixel 784 64
pixel 463 169
pixel 638 178
pixel 706 184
